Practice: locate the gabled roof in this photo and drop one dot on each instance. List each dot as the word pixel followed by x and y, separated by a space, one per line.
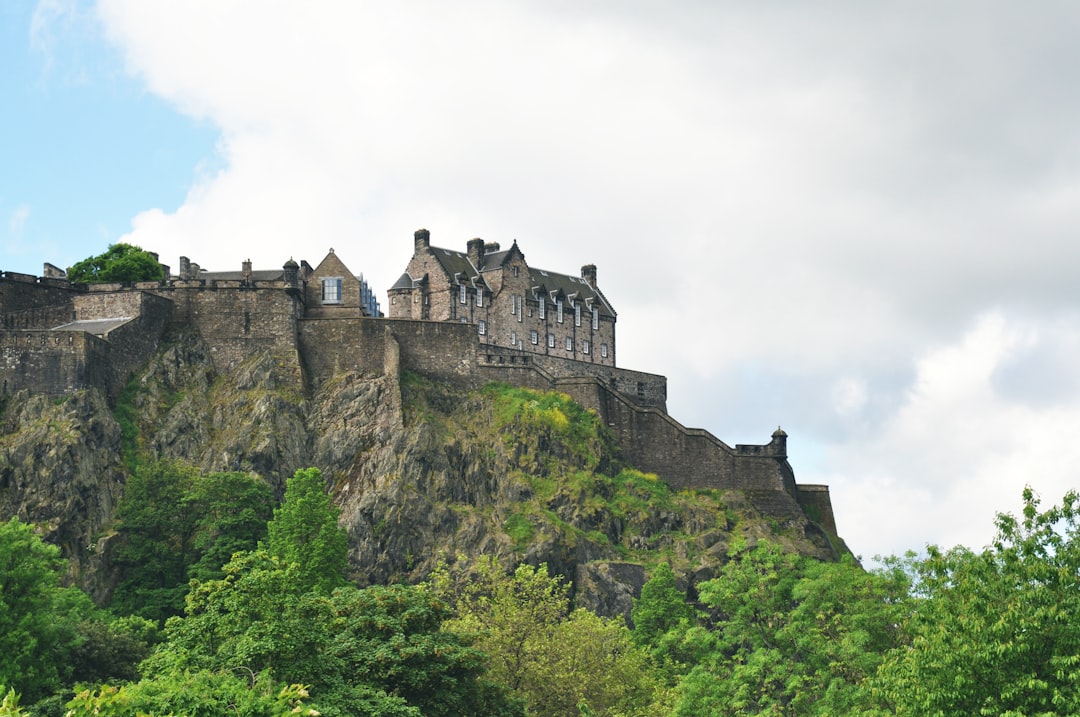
pixel 572 287
pixel 407 282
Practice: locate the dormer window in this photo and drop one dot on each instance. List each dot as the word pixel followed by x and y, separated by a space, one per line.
pixel 331 290
pixel 595 318
pixel 464 297
pixel 558 310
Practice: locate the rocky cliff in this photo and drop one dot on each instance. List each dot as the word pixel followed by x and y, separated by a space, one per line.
pixel 422 472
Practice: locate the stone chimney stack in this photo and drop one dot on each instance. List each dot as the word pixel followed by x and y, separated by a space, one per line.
pixel 421 240
pixel 491 247
pixel 588 273
pixel 185 268
pixel 476 252
pixel 246 270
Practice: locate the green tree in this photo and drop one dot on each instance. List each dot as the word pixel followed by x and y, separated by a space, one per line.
pixel 790 636
pixel 305 531
pixel 995 632
pixel 557 660
pixel 176 525
pixel 122 262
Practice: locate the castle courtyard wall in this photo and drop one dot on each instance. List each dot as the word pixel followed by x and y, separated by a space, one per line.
pixel 54 363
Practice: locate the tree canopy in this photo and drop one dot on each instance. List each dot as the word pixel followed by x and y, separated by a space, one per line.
pixel 122 262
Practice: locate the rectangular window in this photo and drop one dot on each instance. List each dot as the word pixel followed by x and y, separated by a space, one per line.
pixel 331 291
pixel 541 308
pixel 577 314
pixel 464 297
pixel 603 350
pixel 585 346
pixel 513 338
pixel 551 341
pixel 558 310
pixel 479 297
pixel 481 327
pixel 595 318
pixel 534 337
pixel 569 344
pixel 520 300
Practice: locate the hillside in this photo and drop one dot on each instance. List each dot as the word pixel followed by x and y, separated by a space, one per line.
pixel 421 470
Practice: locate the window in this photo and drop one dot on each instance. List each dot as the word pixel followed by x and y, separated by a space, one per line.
pixel 513 338
pixel 479 296
pixel 515 271
pixel 595 318
pixel 577 314
pixel 603 350
pixel 464 298
pixel 331 291
pixel 520 300
pixel 534 337
pixel 585 346
pixel 481 327
pixel 541 308
pixel 551 341
pixel 558 310
pixel 569 344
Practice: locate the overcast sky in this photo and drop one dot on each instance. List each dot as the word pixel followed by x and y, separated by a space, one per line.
pixel 854 220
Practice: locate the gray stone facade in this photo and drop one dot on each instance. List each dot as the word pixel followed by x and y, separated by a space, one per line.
pixel 57 338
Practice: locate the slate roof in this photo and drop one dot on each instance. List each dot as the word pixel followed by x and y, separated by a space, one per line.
pixel 458 267
pixel 97 327
pixel 257 275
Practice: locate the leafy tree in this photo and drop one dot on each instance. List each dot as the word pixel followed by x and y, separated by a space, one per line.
pixel 558 661
pixel 661 608
pixel 995 632
pixel 122 262
pixel 176 525
pixel 374 651
pixel 305 532
pixel 9 705
pixel 791 636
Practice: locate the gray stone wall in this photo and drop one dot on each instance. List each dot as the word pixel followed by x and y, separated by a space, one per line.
pixel 54 363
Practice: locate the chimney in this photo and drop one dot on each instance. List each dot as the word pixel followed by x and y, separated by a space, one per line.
pixel 588 273
pixel 421 240
pixel 476 252
pixel 246 270
pixel 491 247
pixel 185 268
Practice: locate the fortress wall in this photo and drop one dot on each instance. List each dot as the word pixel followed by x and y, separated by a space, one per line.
pixel 131 345
pixel 816 503
pixel 329 345
pixel 645 389
pixel 51 362
pixel 237 321
pixel 43 317
pixel 108 305
pixel 27 302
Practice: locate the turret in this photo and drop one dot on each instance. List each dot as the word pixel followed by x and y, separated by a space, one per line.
pixel 290 272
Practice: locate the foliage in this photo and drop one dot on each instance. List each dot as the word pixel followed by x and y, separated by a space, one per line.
pixel 791 636
pixel 194 694
pixel 122 262
pixel 177 525
pixel 305 531
pixel 995 632
pixel 9 706
pixel 662 607
pixel 558 661
pixel 380 648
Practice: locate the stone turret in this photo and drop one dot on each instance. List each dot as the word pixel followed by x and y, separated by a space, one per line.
pixel 290 273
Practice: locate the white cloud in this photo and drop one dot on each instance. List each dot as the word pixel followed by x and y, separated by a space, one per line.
pixel 842 218
pixel 17 220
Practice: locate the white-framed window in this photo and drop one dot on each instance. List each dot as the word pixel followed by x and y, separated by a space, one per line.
pixel 558 310
pixel 513 338
pixel 515 270
pixel 541 308
pixel 603 350
pixel 551 341
pixel 331 290
pixel 585 346
pixel 481 327
pixel 534 337
pixel 569 344
pixel 520 301
pixel 479 296
pixel 577 314
pixel 595 318
pixel 464 294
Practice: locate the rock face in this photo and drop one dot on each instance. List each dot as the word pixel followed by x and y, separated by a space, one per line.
pixel 422 472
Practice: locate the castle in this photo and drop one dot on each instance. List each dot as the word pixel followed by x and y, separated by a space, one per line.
pixel 468 318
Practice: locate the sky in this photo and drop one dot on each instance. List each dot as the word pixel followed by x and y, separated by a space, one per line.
pixel 857 221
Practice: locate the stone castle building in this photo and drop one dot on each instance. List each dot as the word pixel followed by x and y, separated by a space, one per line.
pixel 57 337
pixel 511 304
